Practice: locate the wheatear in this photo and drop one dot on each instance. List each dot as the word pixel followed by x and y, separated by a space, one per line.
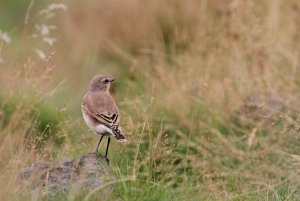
pixel 100 111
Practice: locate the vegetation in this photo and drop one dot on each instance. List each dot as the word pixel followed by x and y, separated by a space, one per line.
pixel 208 93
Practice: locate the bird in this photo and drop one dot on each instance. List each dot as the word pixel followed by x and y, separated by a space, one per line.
pixel 100 111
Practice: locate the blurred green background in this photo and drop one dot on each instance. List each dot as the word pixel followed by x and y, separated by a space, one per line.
pixel 207 90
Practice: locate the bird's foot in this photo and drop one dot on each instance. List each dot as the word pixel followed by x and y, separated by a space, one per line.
pixel 107 160
pixel 98 153
pixel 102 156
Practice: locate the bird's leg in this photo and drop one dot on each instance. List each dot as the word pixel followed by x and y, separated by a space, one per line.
pixel 108 141
pixel 99 143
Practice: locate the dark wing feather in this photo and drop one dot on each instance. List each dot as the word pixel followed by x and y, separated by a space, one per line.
pixel 105 119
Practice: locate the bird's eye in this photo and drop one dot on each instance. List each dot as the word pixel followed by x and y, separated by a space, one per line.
pixel 106 81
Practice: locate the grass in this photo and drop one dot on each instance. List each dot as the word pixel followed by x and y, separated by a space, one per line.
pixel 208 93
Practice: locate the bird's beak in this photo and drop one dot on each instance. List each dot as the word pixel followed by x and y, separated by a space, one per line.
pixel 111 80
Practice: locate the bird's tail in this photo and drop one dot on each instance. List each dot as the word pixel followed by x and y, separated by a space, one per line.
pixel 117 132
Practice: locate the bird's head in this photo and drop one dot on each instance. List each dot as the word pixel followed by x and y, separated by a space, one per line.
pixel 101 83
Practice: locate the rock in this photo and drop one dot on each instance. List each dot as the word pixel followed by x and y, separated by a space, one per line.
pixel 84 173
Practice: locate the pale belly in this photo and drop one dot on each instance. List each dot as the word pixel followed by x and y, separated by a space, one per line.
pixel 97 128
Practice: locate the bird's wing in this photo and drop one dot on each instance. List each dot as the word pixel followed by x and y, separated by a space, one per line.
pixel 102 108
pixel 107 120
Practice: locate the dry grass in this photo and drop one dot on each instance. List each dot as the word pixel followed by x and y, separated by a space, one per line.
pixel 208 92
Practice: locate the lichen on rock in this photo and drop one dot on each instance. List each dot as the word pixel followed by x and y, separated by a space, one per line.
pixel 81 174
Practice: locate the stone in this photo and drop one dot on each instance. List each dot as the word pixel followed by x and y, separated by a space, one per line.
pixel 82 174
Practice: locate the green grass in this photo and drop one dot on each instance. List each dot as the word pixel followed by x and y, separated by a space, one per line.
pixel 208 93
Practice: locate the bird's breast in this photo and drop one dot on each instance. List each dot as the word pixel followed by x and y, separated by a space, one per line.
pixel 88 120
